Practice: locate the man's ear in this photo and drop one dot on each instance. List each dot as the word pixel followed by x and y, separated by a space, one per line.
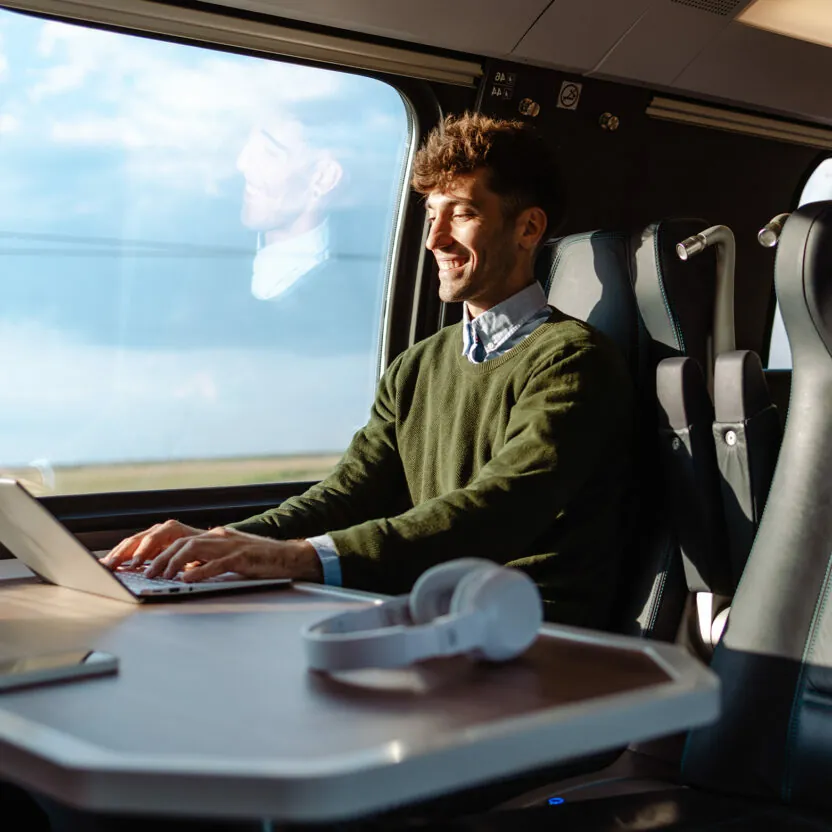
pixel 531 226
pixel 327 175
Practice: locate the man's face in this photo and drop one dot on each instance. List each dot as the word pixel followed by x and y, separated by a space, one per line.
pixel 474 245
pixel 278 167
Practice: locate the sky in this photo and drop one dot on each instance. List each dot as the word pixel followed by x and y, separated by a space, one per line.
pixel 128 326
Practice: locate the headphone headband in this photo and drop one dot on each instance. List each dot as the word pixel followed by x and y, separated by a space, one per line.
pixel 469 605
pixel 385 636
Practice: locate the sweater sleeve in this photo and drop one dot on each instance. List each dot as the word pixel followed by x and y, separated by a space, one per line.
pixel 560 430
pixel 368 481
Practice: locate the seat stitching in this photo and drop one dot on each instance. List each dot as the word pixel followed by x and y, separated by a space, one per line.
pixel 677 332
pixel 808 650
pixel 660 593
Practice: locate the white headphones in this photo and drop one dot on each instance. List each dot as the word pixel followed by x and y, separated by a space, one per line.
pixel 468 605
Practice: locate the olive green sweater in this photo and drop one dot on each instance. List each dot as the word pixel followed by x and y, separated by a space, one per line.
pixel 522 460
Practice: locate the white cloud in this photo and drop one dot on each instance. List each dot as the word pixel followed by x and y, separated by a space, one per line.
pixel 181 112
pixel 66 401
pixel 8 123
pixel 98 131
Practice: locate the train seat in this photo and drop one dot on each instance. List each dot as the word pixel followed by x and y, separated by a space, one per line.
pixel 633 287
pixel 767 762
pixel 747 434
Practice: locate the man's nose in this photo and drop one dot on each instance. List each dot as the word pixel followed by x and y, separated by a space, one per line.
pixel 438 235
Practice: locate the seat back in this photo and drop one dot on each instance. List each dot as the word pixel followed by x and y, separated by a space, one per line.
pixel 634 289
pixel 675 298
pixel 747 435
pixel 689 463
pixel 774 739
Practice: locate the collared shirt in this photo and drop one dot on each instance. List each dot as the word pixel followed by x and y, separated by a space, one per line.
pixel 278 266
pixel 489 335
pixel 505 325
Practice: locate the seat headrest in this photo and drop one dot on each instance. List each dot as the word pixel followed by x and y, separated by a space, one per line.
pixel 588 276
pixel 801 278
pixel 675 297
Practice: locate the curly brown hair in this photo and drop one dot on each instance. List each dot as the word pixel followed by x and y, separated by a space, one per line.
pixel 521 168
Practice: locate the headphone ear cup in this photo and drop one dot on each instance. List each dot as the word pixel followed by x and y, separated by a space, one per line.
pixel 509 602
pixel 433 591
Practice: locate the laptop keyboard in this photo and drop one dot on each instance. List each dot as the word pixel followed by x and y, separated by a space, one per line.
pixel 136 582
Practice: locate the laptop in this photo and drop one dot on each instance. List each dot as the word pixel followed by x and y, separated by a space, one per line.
pixel 54 554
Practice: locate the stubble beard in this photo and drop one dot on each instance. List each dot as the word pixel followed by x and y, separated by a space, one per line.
pixel 491 272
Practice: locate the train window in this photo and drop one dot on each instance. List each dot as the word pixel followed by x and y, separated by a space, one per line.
pixel 818 187
pixel 195 251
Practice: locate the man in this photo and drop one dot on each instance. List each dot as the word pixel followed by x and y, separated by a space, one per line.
pixel 311 273
pixel 287 182
pixel 505 436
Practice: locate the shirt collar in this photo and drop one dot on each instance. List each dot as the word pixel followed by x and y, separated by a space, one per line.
pixel 495 326
pixel 279 265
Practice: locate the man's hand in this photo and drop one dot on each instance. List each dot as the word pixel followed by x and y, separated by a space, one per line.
pixel 133 551
pixel 220 550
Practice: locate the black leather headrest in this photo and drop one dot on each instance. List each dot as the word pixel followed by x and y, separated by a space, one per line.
pixel 802 278
pixel 675 297
pixel 588 276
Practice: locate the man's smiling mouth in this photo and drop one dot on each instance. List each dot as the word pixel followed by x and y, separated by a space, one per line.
pixel 448 264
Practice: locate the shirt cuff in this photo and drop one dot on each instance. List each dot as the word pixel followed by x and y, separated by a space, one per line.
pixel 327 553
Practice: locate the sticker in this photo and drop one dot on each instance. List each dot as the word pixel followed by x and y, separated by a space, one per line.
pixel 570 95
pixel 502 84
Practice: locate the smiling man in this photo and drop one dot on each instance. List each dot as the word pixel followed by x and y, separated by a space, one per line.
pixel 506 436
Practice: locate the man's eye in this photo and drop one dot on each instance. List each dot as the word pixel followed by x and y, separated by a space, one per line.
pixel 466 216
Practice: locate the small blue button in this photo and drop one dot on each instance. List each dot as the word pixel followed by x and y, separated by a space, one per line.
pixel 556 801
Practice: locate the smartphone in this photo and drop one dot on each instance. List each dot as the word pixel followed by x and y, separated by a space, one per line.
pixel 27 671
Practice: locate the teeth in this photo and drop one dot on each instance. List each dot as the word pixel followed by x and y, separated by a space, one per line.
pixel 444 265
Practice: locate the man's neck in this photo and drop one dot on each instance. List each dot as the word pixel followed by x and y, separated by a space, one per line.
pixel 305 222
pixel 477 307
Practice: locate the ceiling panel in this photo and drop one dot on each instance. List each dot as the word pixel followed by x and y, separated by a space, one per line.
pixel 577 35
pixel 484 27
pixel 761 69
pixel 663 42
pixel 667 44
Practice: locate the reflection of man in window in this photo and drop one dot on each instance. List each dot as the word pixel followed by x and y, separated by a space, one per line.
pixel 287 184
pixel 506 436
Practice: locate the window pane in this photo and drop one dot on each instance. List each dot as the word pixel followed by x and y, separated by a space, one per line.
pixel 779 354
pixel 818 188
pixel 193 258
pixel 819 185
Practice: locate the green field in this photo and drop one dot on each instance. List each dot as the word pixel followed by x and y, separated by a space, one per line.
pixel 193 473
